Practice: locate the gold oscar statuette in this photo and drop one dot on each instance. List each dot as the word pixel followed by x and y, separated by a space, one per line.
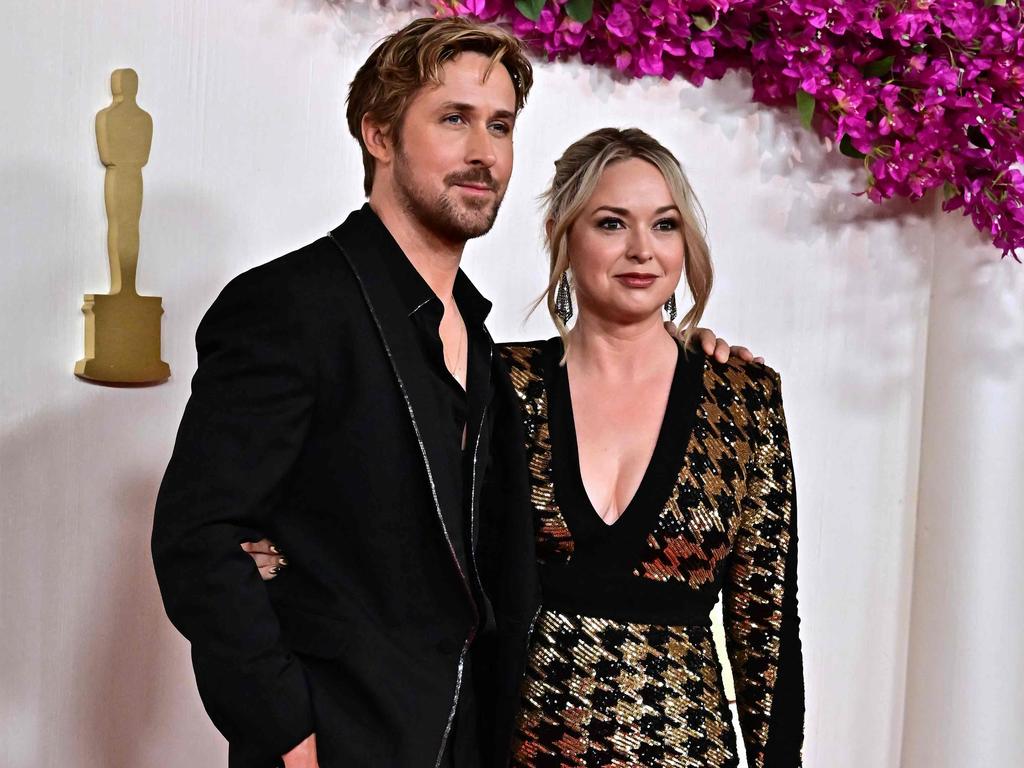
pixel 122 328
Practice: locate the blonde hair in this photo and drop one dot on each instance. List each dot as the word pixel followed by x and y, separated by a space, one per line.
pixel 577 173
pixel 413 57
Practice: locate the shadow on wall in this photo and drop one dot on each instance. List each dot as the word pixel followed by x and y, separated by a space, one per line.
pixel 96 676
pixel 192 246
pixel 137 664
pixel 873 262
pixel 825 179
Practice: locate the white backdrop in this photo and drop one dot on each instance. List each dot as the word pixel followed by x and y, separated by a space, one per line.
pixel 898 332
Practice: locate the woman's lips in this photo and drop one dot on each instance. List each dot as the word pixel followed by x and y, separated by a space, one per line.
pixel 636 279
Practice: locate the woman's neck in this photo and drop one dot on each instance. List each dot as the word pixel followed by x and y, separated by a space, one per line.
pixel 619 351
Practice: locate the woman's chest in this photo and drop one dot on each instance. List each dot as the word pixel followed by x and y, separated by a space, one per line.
pixel 681 520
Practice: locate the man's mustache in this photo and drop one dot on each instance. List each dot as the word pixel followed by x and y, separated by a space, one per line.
pixel 482 176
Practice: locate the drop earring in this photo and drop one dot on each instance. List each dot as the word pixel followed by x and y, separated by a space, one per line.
pixel 670 307
pixel 563 300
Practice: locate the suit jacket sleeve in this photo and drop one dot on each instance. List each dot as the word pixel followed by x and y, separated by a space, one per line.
pixel 760 602
pixel 241 434
pixel 508 566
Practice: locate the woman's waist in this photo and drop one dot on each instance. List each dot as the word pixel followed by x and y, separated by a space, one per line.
pixel 578 639
pixel 587 590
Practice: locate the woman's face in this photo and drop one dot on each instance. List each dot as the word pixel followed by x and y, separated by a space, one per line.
pixel 626 247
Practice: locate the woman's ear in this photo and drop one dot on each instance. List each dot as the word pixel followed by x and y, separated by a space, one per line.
pixel 549 227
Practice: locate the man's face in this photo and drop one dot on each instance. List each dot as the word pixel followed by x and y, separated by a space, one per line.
pixel 452 164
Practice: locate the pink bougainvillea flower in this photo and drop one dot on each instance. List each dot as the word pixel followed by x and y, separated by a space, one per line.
pixel 619 23
pixel 931 91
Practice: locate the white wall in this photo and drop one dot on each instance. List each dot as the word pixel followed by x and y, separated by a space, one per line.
pixel 965 694
pixel 251 158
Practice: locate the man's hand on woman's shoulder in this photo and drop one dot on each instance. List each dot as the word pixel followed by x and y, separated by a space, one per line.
pixel 719 348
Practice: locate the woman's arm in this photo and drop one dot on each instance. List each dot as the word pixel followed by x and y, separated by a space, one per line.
pixel 760 601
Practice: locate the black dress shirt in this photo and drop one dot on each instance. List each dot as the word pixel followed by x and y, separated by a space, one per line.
pixel 462 412
pixel 462 409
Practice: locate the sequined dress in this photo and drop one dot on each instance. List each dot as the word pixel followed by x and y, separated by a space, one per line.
pixel 622 669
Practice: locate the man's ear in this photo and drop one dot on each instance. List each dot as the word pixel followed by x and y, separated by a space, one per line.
pixel 376 139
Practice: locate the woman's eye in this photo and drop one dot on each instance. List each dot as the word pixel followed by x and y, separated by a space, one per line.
pixel 667 225
pixel 610 223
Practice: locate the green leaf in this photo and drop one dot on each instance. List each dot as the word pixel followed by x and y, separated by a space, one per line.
pixel 530 8
pixel 703 22
pixel 948 190
pixel 805 104
pixel 846 147
pixel 579 10
pixel 879 68
pixel 990 3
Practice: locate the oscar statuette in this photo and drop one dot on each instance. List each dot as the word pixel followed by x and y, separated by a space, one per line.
pixel 122 328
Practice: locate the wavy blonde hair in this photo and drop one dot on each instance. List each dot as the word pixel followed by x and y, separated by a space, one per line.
pixel 577 173
pixel 413 57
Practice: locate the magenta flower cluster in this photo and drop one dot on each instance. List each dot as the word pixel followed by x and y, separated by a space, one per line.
pixel 929 93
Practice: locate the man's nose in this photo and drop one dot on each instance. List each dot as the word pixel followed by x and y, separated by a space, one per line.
pixel 480 148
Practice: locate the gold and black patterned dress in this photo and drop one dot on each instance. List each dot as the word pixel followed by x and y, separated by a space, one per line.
pixel 622 669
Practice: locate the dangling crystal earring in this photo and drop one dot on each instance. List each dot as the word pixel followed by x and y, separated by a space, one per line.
pixel 670 307
pixel 563 300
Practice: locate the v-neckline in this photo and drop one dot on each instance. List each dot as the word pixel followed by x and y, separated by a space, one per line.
pixel 662 468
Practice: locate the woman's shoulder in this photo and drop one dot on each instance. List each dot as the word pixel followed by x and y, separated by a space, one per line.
pixel 527 364
pixel 526 355
pixel 749 382
pixel 537 345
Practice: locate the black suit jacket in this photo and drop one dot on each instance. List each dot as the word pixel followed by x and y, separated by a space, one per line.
pixel 309 423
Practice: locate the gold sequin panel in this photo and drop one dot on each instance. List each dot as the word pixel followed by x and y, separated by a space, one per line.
pixel 554 541
pixel 603 693
pixel 729 517
pixel 695 531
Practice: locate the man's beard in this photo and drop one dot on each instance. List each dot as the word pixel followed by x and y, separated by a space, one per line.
pixel 449 218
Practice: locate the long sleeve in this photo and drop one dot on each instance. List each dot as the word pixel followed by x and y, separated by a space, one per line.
pixel 760 600
pixel 508 566
pixel 240 436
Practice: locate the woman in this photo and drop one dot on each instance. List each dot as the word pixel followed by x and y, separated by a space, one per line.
pixel 660 478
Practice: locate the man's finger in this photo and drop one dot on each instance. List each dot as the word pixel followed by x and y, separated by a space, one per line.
pixel 706 339
pixel 721 351
pixel 743 354
pixel 269 572
pixel 263 546
pixel 265 561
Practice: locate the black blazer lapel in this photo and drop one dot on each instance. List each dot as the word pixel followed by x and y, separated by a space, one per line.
pixel 358 248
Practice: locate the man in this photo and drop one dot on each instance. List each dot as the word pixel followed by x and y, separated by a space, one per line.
pixel 344 406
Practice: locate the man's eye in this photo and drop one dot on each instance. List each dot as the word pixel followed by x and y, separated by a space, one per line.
pixel 453 119
pixel 610 223
pixel 501 128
